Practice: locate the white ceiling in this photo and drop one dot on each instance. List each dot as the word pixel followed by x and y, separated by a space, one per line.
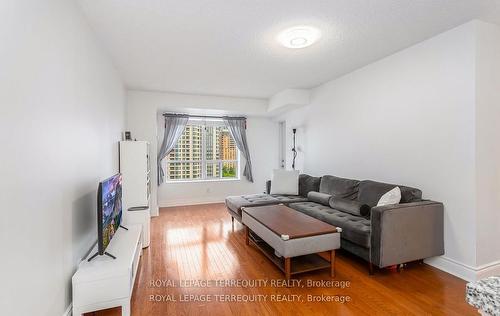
pixel 228 47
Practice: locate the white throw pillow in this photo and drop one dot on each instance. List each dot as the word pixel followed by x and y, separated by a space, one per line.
pixel 391 197
pixel 285 182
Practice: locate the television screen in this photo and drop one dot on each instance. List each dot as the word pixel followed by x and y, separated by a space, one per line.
pixel 109 210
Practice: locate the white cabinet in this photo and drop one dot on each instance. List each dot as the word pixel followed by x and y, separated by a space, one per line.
pixel 105 282
pixel 136 172
pixel 136 185
pixel 139 217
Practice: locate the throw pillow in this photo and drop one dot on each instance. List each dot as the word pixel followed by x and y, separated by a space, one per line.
pixel 285 182
pixel 321 198
pixel 350 206
pixel 391 197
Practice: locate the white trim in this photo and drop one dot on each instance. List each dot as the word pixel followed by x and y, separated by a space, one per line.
pixel 202 180
pixel 185 202
pixel 282 144
pixel 155 212
pixel 69 310
pixel 464 271
pixel 454 267
pixel 487 270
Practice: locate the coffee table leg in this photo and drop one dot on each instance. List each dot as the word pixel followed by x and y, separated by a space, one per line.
pixel 287 268
pixel 332 263
pixel 247 235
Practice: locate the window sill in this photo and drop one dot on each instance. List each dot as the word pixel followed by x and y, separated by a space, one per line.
pixel 204 180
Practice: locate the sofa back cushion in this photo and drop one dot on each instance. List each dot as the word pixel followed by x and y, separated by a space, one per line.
pixel 307 184
pixel 339 187
pixel 370 192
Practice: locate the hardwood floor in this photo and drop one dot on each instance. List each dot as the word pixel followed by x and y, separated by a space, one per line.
pixel 199 243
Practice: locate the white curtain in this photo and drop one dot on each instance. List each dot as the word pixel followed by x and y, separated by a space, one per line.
pixel 174 127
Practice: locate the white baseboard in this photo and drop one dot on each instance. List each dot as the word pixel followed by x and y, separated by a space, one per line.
pixel 464 271
pixel 454 267
pixel 487 270
pixel 190 202
pixel 155 212
pixel 69 310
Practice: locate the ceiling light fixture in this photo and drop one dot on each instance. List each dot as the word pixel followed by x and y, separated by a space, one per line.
pixel 299 36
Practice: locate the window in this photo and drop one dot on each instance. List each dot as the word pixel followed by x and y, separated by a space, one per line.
pixel 205 151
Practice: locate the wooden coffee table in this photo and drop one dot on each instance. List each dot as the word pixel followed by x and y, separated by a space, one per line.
pixel 291 239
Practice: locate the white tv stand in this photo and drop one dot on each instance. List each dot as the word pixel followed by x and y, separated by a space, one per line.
pixel 105 282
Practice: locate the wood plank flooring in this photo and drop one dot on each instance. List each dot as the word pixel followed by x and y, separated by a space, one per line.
pixel 199 243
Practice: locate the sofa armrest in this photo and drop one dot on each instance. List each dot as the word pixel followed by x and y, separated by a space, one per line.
pixel 268 187
pixel 406 232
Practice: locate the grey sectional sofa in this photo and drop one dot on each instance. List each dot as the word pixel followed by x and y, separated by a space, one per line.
pixel 385 236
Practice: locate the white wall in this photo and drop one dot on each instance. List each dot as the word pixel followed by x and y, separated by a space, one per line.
pixel 488 148
pixel 143 110
pixel 287 100
pixel 61 114
pixel 409 119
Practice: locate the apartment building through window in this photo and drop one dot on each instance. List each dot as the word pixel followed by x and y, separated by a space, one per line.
pixel 205 151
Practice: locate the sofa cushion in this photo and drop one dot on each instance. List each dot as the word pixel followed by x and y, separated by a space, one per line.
pixel 370 192
pixel 350 206
pixel 307 184
pixel 339 187
pixel 286 199
pixel 321 198
pixel 235 203
pixel 356 229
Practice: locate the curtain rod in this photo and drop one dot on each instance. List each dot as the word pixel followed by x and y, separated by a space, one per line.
pixel 206 116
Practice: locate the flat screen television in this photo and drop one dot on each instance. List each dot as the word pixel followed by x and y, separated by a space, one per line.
pixel 109 212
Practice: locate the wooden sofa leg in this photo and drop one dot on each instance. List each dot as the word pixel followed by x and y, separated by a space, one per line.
pixel 370 268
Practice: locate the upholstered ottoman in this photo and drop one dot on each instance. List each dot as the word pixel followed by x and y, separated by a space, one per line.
pixel 290 239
